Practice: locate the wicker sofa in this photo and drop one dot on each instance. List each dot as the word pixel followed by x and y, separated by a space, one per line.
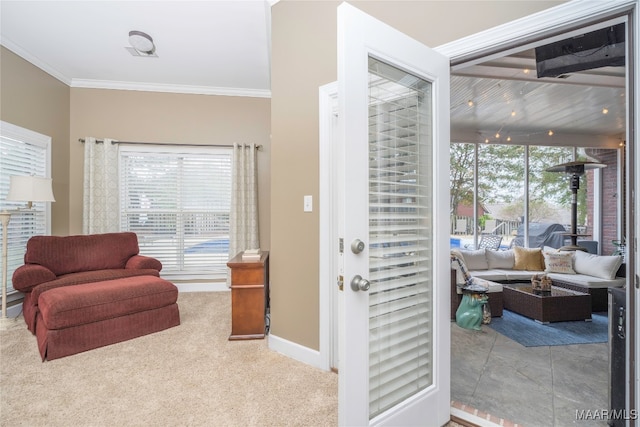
pixel 578 271
pixel 84 292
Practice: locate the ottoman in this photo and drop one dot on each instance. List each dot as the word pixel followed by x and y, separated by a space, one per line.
pixel 73 319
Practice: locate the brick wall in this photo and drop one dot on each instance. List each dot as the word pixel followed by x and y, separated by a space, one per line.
pixel 609 200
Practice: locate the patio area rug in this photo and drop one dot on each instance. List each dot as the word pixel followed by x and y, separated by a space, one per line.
pixel 530 333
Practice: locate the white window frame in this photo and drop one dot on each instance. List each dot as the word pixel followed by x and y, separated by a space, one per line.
pixel 124 149
pixel 26 136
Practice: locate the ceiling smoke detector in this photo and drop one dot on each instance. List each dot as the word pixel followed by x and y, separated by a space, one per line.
pixel 141 43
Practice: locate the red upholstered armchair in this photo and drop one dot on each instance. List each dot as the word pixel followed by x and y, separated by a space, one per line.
pixel 52 262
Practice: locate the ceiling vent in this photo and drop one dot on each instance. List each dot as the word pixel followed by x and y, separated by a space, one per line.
pixel 141 44
pixel 134 52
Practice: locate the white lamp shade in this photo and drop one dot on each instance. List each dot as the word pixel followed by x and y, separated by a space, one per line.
pixel 30 189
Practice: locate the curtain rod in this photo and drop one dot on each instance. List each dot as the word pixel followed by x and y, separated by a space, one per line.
pixel 100 141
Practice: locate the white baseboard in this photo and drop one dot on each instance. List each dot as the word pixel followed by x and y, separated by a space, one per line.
pixel 295 351
pixel 202 287
pixel 14 310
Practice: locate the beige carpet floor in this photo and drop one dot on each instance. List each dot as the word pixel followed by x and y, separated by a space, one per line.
pixel 190 375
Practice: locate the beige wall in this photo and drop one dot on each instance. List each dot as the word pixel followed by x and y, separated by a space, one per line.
pixel 32 99
pixel 169 118
pixel 304 58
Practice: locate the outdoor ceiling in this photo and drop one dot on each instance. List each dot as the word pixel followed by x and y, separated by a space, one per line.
pixel 223 48
pixel 509 100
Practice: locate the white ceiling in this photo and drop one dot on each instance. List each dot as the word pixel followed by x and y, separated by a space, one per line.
pixel 211 47
pixel 509 100
pixel 223 47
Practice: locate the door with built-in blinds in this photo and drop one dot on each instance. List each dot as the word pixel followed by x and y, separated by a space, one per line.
pixel 394 334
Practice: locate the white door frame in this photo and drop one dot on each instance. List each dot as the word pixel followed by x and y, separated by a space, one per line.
pixel 329 227
pixel 514 35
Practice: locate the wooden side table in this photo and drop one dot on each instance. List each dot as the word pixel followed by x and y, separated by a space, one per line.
pixel 249 297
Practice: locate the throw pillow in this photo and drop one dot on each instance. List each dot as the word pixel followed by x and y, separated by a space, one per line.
pixel 500 259
pixel 602 266
pixel 558 262
pixel 475 260
pixel 529 259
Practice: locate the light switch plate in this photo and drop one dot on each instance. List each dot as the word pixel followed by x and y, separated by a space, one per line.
pixel 308 203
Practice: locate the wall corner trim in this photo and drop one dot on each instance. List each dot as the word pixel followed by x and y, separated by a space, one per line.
pixel 295 351
pixel 535 26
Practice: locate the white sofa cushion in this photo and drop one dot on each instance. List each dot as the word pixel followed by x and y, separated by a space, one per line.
pixel 475 260
pixel 602 266
pixel 521 275
pixel 590 282
pixel 494 274
pixel 558 262
pixel 500 259
pixel 487 284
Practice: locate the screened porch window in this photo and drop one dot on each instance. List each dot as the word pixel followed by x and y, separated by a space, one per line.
pixel 178 203
pixel 513 187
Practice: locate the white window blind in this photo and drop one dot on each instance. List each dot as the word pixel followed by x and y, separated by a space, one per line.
pixel 22 152
pixel 177 200
pixel 400 234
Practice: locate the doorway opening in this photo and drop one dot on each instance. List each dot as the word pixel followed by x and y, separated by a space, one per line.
pixel 330 277
pixel 503 115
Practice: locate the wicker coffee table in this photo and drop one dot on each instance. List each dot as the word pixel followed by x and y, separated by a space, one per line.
pixel 556 305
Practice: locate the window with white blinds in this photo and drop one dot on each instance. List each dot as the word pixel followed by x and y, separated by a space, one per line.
pixel 177 200
pixel 22 152
pixel 400 233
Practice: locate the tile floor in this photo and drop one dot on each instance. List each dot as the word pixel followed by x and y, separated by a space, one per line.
pixel 530 386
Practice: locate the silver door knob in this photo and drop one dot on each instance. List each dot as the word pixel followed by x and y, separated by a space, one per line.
pixel 357 246
pixel 360 284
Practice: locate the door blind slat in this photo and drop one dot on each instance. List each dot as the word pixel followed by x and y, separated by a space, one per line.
pixel 400 237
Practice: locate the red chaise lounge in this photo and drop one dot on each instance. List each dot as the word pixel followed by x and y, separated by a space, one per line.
pixel 87 291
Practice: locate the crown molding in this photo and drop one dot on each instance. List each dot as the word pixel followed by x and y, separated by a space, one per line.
pixel 117 85
pixel 33 60
pixel 169 88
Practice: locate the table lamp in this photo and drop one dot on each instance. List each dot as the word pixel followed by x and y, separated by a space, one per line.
pixel 576 169
pixel 21 189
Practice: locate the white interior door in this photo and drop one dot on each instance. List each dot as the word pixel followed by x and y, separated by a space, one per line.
pixel 394 128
